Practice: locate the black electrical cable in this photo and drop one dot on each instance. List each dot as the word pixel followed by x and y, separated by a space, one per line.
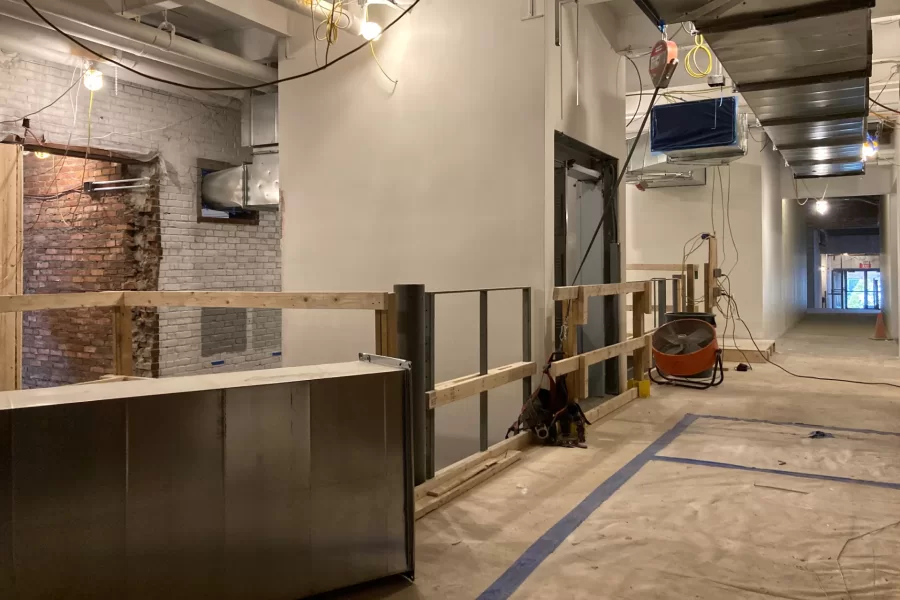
pixel 641 86
pixel 884 87
pixel 615 189
pixel 234 88
pixel 876 103
pixel 762 354
pixel 42 109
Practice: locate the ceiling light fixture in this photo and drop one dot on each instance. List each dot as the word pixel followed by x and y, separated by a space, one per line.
pixel 93 79
pixel 821 206
pixel 41 155
pixel 370 30
pixel 870 148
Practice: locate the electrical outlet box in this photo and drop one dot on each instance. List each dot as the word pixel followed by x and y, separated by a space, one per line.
pixel 715 81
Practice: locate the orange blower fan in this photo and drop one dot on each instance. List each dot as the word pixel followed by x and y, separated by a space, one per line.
pixel 687 354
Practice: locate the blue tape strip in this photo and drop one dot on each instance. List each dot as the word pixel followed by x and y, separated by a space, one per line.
pixel 709 463
pixel 216 363
pixel 804 425
pixel 276 353
pixel 519 571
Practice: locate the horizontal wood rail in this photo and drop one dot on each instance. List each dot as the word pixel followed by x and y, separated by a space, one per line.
pixel 471 385
pixel 575 313
pixel 582 361
pixel 121 303
pixel 655 267
pixel 602 289
pixel 29 302
pixel 287 300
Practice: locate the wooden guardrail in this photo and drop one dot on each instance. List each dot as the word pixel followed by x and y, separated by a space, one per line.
pixel 471 385
pixel 575 313
pixel 121 303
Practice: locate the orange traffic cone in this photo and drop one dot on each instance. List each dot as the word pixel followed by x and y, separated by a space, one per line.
pixel 881 333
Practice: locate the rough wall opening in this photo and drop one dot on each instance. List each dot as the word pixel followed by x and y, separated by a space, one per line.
pixel 86 242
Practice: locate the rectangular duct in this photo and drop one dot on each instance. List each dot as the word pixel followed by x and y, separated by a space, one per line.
pixel 801 65
pixel 252 186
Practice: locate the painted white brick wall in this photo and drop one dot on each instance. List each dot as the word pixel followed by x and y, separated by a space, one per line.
pixel 196 256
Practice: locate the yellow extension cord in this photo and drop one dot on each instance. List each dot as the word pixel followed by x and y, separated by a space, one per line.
pixel 690 60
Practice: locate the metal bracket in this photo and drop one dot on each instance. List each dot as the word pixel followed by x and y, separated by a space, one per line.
pixel 385 361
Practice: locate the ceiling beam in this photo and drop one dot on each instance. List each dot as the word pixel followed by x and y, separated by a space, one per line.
pixel 149 8
pixel 259 14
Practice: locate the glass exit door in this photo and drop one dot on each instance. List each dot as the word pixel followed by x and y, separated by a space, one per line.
pixel 862 288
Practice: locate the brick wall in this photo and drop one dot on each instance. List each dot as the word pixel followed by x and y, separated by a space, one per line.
pixel 195 256
pixel 76 242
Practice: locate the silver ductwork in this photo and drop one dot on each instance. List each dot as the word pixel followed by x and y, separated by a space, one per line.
pixel 256 185
pixel 803 67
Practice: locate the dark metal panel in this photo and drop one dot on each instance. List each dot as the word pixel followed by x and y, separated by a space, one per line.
pixel 396 475
pixel 267 497
pixel 6 530
pixel 350 485
pixel 68 464
pixel 830 170
pixel 176 510
pixel 818 130
pixel 817 99
pixel 775 12
pixel 805 48
pixel 483 366
pixel 850 153
pixel 709 12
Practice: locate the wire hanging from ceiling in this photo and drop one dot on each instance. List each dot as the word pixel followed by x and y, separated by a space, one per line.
pixel 231 88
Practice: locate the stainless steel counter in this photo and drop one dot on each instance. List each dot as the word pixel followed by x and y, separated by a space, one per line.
pixel 265 485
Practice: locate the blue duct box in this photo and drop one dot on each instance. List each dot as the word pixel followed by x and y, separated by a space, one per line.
pixel 692 125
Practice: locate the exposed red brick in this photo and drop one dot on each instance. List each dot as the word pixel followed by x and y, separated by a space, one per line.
pixel 78 243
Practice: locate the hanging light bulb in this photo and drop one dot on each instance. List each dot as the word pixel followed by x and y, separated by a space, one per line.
pixel 821 206
pixel 93 79
pixel 41 155
pixel 370 30
pixel 870 149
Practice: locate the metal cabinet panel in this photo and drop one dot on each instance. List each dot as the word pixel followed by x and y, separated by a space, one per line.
pixel 267 511
pixel 6 553
pixel 396 542
pixel 69 499
pixel 271 492
pixel 175 504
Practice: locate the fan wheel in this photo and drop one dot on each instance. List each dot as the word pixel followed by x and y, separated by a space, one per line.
pixel 685 347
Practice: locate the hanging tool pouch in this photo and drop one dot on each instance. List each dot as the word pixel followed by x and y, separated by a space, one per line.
pixel 554 419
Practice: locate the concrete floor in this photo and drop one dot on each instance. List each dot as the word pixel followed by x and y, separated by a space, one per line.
pixel 463 548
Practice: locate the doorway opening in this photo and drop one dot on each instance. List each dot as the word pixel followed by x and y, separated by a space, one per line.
pixel 853 282
pixel 845 254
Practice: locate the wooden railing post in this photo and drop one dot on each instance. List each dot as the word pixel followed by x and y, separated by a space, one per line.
pixel 122 350
pixel 386 328
pixel 689 285
pixel 640 358
pixel 575 314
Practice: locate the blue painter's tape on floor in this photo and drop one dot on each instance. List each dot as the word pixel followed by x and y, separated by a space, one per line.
pixel 710 463
pixel 804 425
pixel 520 570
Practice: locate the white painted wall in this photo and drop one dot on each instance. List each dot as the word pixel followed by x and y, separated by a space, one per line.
pixel 888 258
pixel 441 181
pixel 660 221
pixel 591 116
pixel 794 268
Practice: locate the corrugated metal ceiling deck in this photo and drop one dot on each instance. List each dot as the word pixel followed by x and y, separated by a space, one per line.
pixel 802 66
